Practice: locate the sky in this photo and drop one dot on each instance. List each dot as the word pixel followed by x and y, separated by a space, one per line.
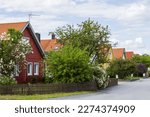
pixel 128 20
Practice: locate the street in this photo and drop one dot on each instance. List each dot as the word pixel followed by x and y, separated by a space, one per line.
pixel 125 90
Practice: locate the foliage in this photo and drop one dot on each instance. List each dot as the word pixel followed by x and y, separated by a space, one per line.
pixel 41 96
pixel 145 59
pixel 6 80
pixel 132 78
pixel 88 35
pixel 12 51
pixel 34 79
pixel 122 68
pixel 100 77
pixel 141 68
pixel 69 65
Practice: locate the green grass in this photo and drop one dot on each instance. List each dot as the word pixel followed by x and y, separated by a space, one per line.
pixel 40 96
pixel 132 78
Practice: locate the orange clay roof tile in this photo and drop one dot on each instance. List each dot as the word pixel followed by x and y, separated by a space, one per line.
pixel 18 26
pixel 129 55
pixel 50 44
pixel 118 52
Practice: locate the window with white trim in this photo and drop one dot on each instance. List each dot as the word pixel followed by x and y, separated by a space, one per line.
pixel 111 56
pixel 16 70
pixel 29 68
pixel 25 40
pixel 36 68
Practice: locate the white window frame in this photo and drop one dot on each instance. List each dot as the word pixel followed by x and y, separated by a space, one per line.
pixel 30 72
pixel 16 70
pixel 36 68
pixel 25 40
pixel 123 57
pixel 111 56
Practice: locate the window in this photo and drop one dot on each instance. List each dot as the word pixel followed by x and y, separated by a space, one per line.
pixel 56 48
pixel 111 56
pixel 123 57
pixel 29 69
pixel 25 40
pixel 36 68
pixel 16 70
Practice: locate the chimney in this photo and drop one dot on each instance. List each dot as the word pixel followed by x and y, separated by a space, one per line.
pixel 52 35
pixel 38 36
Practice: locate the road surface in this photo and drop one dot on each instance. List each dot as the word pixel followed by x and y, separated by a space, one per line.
pixel 126 90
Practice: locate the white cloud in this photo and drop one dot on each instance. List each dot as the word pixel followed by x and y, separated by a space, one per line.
pixel 132 17
pixel 137 45
pixel 139 40
pixel 90 8
pixel 4 19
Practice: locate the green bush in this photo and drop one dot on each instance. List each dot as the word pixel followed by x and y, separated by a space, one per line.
pixel 141 68
pixel 132 78
pixel 6 80
pixel 100 77
pixel 122 68
pixel 69 65
pixel 34 79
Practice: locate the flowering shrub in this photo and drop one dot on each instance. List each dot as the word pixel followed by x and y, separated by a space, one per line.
pixel 100 77
pixel 6 80
pixel 12 51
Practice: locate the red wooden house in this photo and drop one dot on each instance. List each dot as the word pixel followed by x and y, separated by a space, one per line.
pixel 34 66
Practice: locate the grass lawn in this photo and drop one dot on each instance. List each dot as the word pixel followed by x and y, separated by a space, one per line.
pixel 40 96
pixel 132 78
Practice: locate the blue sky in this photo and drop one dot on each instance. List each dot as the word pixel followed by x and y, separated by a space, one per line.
pixel 128 20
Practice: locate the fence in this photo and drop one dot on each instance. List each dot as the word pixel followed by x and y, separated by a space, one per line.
pixel 27 89
pixel 47 88
pixel 113 82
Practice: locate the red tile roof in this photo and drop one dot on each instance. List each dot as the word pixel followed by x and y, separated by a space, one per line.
pixel 18 26
pixel 129 55
pixel 50 44
pixel 118 52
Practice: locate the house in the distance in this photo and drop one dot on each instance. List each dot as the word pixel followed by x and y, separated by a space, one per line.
pixel 50 44
pixel 118 53
pixel 129 55
pixel 34 66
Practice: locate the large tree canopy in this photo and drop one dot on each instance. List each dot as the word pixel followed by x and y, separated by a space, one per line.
pixel 12 51
pixel 88 35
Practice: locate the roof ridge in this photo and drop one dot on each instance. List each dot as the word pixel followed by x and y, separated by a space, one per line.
pixel 14 22
pixel 118 48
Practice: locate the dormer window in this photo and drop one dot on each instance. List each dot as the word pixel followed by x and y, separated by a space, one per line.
pixel 56 48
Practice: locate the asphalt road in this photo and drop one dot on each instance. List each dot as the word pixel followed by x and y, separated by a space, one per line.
pixel 135 90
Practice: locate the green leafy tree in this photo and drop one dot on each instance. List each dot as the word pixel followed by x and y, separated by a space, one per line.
pixel 88 35
pixel 145 59
pixel 12 51
pixel 68 65
pixel 122 68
